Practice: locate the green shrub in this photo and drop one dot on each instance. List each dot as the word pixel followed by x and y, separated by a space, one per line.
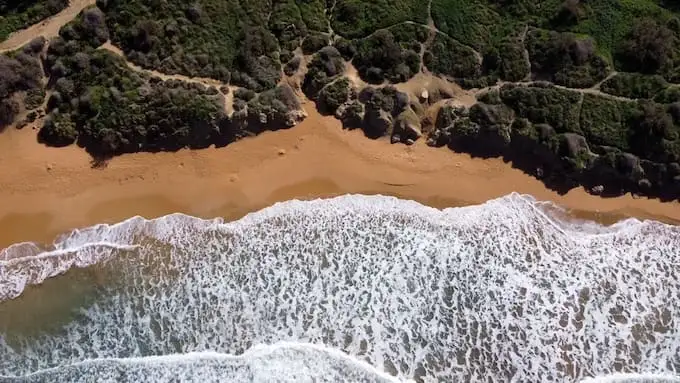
pixel 381 56
pixel 544 105
pixel 15 15
pixel 314 42
pixel 335 94
pixel 232 40
pixel 607 121
pixel 565 59
pixel 634 85
pixel 359 18
pixel 450 58
pixel 508 61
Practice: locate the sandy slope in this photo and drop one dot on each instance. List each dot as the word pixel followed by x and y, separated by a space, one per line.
pixel 47 191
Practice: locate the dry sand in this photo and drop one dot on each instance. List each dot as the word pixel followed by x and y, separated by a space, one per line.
pixel 48 191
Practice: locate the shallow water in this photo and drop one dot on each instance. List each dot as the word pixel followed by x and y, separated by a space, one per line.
pixel 353 288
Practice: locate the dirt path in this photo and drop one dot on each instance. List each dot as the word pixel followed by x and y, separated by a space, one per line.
pixel 208 82
pixel 48 28
pixel 592 90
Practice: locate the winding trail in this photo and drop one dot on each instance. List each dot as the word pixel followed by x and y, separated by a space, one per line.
pixel 47 28
pixel 592 90
pixel 205 81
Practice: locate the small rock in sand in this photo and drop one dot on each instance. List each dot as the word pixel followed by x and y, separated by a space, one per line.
pixel 424 95
pixel 49 167
pixel 597 189
pixel 282 152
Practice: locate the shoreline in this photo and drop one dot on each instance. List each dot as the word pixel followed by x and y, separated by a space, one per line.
pixel 46 191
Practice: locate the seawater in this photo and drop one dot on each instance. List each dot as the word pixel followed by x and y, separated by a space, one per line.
pixel 354 288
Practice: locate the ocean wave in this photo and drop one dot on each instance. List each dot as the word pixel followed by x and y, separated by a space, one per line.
pixel 512 289
pixel 28 263
pixel 281 362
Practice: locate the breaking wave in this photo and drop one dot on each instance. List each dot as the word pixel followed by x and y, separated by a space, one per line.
pixel 511 290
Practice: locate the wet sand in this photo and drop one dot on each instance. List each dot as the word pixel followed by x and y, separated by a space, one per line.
pixel 48 191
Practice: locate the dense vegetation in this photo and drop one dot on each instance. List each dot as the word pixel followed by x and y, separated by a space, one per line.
pixel 20 82
pixel 15 15
pixel 234 41
pixel 359 18
pixel 97 101
pixel 568 138
pixel 390 54
pixel 573 91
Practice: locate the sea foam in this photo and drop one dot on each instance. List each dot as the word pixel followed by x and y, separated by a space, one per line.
pixel 505 291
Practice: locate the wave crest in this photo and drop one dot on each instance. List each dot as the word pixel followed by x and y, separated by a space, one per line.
pixel 508 290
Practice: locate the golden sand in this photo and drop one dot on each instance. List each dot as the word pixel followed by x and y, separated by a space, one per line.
pixel 47 191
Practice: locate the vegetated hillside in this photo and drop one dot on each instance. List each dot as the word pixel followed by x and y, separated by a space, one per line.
pixel 575 92
pixel 15 15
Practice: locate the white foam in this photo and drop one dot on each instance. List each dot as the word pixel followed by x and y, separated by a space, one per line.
pixel 281 362
pixel 508 290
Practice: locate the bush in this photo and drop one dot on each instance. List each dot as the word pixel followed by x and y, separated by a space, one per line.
pixel 607 122
pixel 322 70
pixel 232 40
pixel 21 73
pixel 549 105
pixel 359 18
pixel 381 57
pixel 335 94
pixel 16 15
pixel 565 59
pixel 648 48
pixel 507 61
pixel 450 58
pixel 314 42
pixel 634 85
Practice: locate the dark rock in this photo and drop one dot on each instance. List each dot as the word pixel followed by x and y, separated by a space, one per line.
pixel 292 66
pixel 674 168
pixel 598 189
pixel 351 114
pixel 395 139
pixel 545 131
pixel 377 123
pixel 401 101
pixel 573 145
pixel 645 184
pixel 628 163
pixel 408 125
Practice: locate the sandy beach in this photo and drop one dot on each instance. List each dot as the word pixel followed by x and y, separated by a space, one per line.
pixel 47 191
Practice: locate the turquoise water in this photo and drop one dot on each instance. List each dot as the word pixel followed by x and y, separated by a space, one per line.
pixel 354 288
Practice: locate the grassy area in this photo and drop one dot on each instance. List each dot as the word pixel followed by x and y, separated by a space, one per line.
pixel 544 105
pixel 391 54
pixel 359 18
pixel 15 15
pixel 634 85
pixel 610 24
pixel 610 21
pixel 108 108
pixel 471 22
pixel 450 58
pixel 234 40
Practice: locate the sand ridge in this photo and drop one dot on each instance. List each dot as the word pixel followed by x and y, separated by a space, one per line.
pixel 47 191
